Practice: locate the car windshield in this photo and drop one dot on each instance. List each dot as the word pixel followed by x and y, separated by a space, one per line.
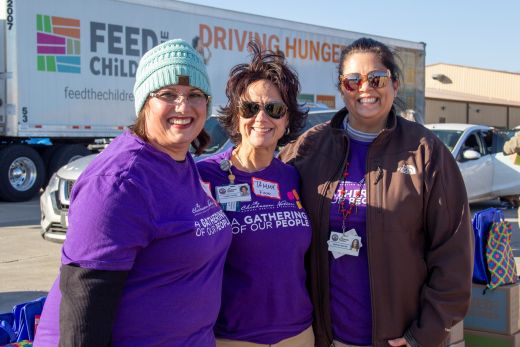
pixel 318 117
pixel 448 137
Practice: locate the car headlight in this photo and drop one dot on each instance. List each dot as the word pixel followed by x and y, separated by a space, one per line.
pixel 53 183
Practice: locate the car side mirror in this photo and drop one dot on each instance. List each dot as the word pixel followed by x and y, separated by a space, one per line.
pixel 471 154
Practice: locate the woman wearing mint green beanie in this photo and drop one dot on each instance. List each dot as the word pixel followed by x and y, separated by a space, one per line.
pixel 143 260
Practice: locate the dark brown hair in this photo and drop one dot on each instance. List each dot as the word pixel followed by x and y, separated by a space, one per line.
pixel 382 51
pixel 139 128
pixel 264 65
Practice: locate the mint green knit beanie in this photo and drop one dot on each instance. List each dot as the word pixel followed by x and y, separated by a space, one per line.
pixel 162 66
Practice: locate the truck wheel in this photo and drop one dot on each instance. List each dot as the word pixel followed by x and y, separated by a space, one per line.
pixel 22 173
pixel 64 155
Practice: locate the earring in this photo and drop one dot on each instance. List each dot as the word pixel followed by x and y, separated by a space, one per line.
pixel 287 131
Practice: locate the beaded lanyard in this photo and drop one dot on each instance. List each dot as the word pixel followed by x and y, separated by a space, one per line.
pixel 342 197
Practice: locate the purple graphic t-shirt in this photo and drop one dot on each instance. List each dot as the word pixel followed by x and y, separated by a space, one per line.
pixel 349 280
pixel 136 209
pixel 264 298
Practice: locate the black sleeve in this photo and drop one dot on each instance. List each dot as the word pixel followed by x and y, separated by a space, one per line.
pixel 88 305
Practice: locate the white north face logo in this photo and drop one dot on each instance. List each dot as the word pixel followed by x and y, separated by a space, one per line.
pixel 408 169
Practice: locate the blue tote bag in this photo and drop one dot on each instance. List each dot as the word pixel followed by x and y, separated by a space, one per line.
pixel 482 221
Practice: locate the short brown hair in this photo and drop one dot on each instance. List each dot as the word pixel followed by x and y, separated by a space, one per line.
pixel 264 65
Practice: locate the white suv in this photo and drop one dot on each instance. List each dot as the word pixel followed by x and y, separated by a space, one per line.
pixel 55 200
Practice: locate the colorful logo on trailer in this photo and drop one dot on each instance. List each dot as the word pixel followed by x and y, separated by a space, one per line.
pixel 58 45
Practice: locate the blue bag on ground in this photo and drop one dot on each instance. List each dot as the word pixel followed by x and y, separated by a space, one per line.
pixel 19 325
pixel 482 221
pixel 7 333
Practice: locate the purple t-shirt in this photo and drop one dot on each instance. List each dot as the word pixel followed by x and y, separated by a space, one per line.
pixel 136 209
pixel 349 280
pixel 264 297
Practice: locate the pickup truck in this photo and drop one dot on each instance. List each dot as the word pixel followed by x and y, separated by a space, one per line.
pixel 487 172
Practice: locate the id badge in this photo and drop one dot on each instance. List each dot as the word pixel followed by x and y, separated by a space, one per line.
pixel 348 243
pixel 233 193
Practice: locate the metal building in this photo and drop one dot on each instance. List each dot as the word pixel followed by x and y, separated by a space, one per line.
pixel 463 94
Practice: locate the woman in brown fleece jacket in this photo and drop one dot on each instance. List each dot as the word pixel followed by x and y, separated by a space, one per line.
pixel 390 184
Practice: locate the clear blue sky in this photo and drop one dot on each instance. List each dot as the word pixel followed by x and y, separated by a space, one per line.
pixel 484 34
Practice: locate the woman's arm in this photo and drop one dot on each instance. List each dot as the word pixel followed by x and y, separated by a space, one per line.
pixel 88 305
pixel 513 145
pixel 109 225
pixel 445 295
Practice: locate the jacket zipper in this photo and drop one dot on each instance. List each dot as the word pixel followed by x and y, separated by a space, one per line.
pixel 379 176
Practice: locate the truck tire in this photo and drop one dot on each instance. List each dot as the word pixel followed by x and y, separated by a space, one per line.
pixel 46 155
pixel 22 173
pixel 63 155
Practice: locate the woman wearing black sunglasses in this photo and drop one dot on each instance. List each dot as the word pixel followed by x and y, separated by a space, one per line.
pixel 392 188
pixel 264 300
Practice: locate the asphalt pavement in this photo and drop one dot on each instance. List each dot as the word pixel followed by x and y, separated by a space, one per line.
pixel 29 264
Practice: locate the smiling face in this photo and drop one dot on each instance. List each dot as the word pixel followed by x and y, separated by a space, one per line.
pixel 261 131
pixel 368 107
pixel 172 127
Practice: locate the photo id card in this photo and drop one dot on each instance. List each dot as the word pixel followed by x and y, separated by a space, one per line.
pixel 233 193
pixel 348 243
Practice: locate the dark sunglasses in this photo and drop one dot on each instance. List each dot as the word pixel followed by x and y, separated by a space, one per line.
pixel 376 79
pixel 275 110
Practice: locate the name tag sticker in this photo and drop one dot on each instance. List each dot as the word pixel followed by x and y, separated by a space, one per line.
pixel 266 189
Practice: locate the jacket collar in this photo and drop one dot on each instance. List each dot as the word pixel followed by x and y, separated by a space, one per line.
pixel 337 120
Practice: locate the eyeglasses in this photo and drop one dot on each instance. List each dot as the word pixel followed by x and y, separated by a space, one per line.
pixel 173 98
pixel 275 110
pixel 376 79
